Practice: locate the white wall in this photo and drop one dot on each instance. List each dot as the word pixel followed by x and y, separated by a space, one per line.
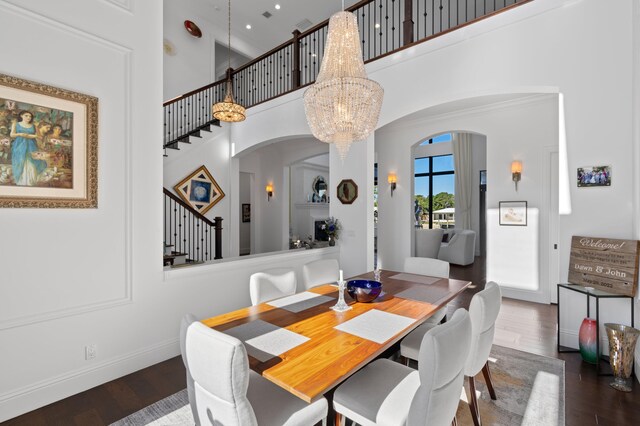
pixel 212 151
pixel 356 239
pixel 193 63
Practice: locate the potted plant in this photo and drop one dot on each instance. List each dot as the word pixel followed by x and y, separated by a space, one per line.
pixel 332 227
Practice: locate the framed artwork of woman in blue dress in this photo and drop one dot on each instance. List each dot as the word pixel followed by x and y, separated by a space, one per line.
pixel 48 146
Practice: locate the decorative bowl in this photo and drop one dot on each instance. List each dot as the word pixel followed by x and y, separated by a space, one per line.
pixel 364 291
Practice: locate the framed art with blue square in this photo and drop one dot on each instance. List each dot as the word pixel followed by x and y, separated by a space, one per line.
pixel 200 190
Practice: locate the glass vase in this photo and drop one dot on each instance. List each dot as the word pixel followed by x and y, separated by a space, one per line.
pixel 622 347
pixel 587 341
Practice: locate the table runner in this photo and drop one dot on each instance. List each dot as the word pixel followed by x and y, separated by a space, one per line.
pixel 300 302
pixel 415 278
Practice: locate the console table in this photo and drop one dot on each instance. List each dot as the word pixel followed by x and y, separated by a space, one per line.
pixel 596 294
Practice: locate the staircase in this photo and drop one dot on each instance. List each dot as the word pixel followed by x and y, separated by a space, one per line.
pixel 190 235
pixel 196 132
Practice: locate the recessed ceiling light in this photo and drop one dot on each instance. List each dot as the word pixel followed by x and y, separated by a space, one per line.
pixel 377 25
pixel 248 26
pixel 277 7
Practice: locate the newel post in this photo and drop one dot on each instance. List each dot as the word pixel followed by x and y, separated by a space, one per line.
pixel 218 238
pixel 295 72
pixel 407 24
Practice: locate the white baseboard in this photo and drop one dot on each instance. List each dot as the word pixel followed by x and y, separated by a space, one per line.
pixel 529 296
pixel 31 397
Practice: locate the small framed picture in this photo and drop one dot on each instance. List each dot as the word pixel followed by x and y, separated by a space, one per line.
pixel 246 213
pixel 594 176
pixel 513 213
pixel 347 191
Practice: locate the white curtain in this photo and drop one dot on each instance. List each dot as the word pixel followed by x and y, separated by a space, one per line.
pixel 462 166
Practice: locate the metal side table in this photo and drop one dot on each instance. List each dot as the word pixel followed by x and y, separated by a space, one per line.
pixel 596 294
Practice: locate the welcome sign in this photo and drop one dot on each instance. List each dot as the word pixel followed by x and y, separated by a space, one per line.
pixel 605 264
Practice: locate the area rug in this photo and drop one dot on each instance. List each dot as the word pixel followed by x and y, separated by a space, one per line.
pixel 529 388
pixel 530 391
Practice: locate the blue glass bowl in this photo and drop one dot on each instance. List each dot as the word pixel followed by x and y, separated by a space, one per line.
pixel 364 290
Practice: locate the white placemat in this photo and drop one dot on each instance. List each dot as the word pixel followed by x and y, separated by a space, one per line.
pixel 416 278
pixel 375 325
pixel 277 342
pixel 264 340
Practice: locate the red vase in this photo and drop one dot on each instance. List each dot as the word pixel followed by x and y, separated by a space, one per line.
pixel 587 340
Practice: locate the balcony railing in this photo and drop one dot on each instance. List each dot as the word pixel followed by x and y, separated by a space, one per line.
pixel 386 26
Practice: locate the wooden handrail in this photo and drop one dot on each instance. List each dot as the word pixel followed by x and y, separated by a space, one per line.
pixel 188 207
pixel 193 92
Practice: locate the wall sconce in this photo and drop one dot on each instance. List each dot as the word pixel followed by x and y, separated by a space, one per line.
pixel 269 189
pixel 516 172
pixel 392 178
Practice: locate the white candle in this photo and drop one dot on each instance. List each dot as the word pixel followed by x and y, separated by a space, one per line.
pixel 341 276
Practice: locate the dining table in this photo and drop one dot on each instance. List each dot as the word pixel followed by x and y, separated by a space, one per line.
pixel 299 343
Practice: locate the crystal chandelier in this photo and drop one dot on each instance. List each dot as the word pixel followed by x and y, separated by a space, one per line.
pixel 343 105
pixel 228 110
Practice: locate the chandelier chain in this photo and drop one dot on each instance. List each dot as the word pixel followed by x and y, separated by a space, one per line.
pixel 229 39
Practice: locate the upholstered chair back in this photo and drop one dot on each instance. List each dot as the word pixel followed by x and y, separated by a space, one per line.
pixel 426 266
pixel 483 310
pixel 443 352
pixel 428 242
pixel 271 284
pixel 220 371
pixel 319 272
pixel 187 320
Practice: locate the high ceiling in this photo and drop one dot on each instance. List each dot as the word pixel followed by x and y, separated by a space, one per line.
pixel 266 34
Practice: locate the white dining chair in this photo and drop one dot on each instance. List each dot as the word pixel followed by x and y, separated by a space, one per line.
pixel 187 320
pixel 229 393
pixel 483 310
pixel 433 268
pixel 318 272
pixel 389 393
pixel 272 284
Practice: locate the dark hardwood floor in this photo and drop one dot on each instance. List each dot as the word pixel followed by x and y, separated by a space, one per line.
pixel 521 325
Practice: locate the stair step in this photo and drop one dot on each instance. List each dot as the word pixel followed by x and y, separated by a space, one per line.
pixel 184 140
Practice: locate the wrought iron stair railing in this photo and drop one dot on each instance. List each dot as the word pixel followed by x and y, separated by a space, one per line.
pixel 386 27
pixel 189 232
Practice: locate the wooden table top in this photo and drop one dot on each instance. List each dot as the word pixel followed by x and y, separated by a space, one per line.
pixel 330 356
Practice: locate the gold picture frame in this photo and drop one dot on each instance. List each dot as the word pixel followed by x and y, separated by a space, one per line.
pixel 199 190
pixel 50 159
